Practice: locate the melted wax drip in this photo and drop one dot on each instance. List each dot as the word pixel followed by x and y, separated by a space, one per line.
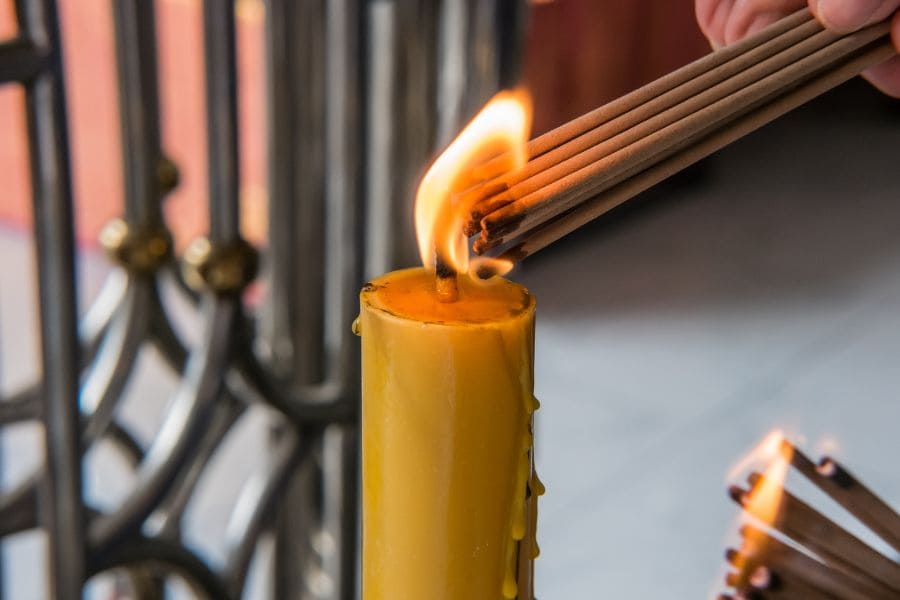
pixel 527 481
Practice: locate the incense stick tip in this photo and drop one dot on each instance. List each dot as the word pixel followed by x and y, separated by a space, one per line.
pixel 733 557
pixel 827 467
pixel 737 494
pixel 762 578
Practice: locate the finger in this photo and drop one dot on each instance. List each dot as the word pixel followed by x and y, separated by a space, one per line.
pixel 753 23
pixel 727 21
pixel 749 16
pixel 844 16
pixel 886 76
pixel 712 16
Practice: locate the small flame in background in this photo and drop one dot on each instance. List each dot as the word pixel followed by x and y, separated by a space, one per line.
pixel 761 454
pixel 764 499
pixel 501 128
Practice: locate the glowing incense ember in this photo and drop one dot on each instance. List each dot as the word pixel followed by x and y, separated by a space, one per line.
pixel 763 499
pixel 442 206
pixel 761 454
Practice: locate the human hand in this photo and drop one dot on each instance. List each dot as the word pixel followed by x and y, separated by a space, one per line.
pixel 727 21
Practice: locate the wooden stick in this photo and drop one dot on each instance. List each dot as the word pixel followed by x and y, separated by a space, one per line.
pixel 627 113
pixel 783 586
pixel 642 95
pixel 655 114
pixel 595 204
pixel 846 490
pixel 797 570
pixel 836 546
pixel 659 138
pixel 744 564
pixel 879 517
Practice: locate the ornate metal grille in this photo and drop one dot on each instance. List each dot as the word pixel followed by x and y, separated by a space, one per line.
pixel 359 94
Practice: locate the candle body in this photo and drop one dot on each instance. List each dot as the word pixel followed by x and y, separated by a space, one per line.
pixel 446 440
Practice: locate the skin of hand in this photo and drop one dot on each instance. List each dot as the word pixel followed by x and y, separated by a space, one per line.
pixel 727 21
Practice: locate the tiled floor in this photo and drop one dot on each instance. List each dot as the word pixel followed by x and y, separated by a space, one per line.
pixel 761 290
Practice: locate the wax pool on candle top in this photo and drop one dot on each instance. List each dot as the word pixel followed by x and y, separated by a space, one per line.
pixel 447 407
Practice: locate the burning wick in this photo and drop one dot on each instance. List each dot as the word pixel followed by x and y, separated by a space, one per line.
pixel 445 281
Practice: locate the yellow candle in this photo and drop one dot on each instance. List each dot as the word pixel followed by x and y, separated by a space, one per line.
pixel 447 403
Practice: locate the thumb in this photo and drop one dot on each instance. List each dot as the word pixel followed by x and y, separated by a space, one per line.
pixel 844 16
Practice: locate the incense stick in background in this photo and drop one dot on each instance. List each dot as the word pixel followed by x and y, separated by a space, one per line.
pixel 796 574
pixel 601 159
pixel 801 554
pixel 836 546
pixel 846 490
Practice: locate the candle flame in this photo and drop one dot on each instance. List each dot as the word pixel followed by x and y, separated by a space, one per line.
pixel 501 128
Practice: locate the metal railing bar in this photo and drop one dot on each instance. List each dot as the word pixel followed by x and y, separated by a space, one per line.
pixel 299 546
pixel 316 404
pixel 254 505
pixel 345 195
pixel 165 521
pixel 147 583
pixel 61 491
pixel 94 322
pixel 180 434
pixel 24 405
pixel 344 186
pixel 454 48
pixel 340 471
pixel 221 115
pixel 164 338
pixel 144 550
pixel 416 131
pixel 18 507
pixel 126 442
pixel 295 60
pixel 250 381
pixel 135 34
pixel 382 84
pixel 21 61
pixel 112 367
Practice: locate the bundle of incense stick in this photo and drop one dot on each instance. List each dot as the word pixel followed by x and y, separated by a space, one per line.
pixel 798 553
pixel 588 166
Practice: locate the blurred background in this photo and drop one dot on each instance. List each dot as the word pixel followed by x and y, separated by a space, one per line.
pixel 757 290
